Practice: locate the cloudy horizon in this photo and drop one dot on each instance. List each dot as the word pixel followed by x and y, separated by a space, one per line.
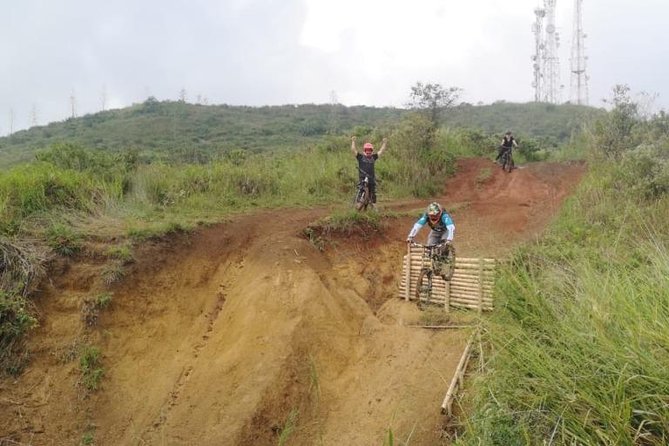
pixel 272 52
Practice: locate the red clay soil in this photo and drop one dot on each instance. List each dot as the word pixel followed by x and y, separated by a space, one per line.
pixel 243 332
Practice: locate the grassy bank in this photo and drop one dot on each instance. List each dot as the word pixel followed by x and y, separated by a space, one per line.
pixel 579 344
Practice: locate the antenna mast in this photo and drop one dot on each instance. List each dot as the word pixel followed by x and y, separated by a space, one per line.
pixel 551 62
pixel 73 104
pixel 579 80
pixel 537 29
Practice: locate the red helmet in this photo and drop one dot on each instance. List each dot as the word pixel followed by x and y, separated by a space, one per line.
pixel 368 147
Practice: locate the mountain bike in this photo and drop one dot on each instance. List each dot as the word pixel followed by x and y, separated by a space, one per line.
pixel 507 160
pixel 363 197
pixel 437 260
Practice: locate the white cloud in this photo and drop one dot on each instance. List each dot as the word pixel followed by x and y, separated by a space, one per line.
pixel 258 52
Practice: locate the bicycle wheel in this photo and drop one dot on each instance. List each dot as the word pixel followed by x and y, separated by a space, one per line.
pixel 363 199
pixel 424 288
pixel 507 166
pixel 448 263
pixel 360 199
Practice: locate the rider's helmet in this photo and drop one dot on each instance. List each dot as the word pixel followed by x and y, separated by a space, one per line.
pixel 434 212
pixel 368 148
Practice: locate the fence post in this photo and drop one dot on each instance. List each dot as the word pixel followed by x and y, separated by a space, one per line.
pixel 481 285
pixel 407 273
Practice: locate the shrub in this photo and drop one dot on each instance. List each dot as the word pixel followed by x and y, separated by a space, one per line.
pixel 113 273
pixel 16 319
pixel 645 171
pixel 90 364
pixel 91 307
pixel 63 240
pixel 122 253
pixel 31 189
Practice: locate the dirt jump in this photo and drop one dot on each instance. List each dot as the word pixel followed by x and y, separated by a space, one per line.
pixel 245 333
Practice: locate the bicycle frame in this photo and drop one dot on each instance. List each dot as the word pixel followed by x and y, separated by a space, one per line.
pixel 424 283
pixel 362 198
pixel 428 269
pixel 507 160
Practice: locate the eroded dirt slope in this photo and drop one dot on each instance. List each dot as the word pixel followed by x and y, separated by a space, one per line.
pixel 232 335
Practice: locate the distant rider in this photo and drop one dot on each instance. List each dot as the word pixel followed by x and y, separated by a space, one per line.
pixel 441 225
pixel 366 164
pixel 508 143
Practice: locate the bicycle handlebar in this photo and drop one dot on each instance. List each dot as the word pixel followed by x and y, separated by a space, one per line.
pixel 420 245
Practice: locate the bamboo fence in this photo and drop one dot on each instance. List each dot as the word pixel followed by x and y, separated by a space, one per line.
pixel 470 287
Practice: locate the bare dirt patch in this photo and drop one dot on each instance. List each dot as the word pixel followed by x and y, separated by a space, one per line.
pixel 243 332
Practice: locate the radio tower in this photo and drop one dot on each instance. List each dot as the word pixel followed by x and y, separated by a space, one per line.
pixel 551 63
pixel 579 80
pixel 537 29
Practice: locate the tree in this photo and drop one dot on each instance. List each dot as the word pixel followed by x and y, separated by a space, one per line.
pixel 613 134
pixel 432 99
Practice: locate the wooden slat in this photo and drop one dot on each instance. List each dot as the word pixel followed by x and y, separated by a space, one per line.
pixel 458 378
pixel 461 281
pixel 465 300
pixel 457 304
pixel 488 267
pixel 474 294
pixel 469 293
pixel 471 286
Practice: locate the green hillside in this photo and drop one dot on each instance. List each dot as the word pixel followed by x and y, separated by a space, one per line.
pixel 182 132
pixel 576 350
pixel 554 123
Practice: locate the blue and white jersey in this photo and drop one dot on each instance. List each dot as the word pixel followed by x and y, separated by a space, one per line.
pixel 445 223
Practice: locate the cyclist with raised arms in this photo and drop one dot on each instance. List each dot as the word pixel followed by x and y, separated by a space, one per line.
pixel 366 164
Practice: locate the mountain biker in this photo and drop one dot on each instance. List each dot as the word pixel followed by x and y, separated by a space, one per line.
pixel 366 162
pixel 507 144
pixel 441 225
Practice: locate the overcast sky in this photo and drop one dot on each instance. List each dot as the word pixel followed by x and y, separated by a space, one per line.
pixel 271 52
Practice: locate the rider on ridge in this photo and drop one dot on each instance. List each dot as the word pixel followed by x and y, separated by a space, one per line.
pixel 366 164
pixel 508 143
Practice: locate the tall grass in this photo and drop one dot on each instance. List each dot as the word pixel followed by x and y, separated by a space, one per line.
pixel 20 272
pixel 71 178
pixel 150 199
pixel 581 341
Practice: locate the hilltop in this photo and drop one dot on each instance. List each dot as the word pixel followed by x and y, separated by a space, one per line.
pixel 183 132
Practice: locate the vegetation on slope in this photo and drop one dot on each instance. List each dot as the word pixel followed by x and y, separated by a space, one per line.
pixel 178 132
pixel 71 193
pixel 579 342
pixel 579 348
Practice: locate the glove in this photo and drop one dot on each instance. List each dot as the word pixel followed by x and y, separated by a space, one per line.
pixel 409 239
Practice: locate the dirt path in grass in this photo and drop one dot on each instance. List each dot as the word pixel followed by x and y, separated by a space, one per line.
pixel 244 334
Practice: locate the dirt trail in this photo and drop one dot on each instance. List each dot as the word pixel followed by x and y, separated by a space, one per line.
pixel 224 336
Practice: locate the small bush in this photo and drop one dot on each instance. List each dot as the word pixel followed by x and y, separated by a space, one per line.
pixel 91 307
pixel 645 170
pixel 30 189
pixel 21 269
pixel 16 319
pixel 90 363
pixel 122 253
pixel 63 240
pixel 113 273
pixel 87 438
